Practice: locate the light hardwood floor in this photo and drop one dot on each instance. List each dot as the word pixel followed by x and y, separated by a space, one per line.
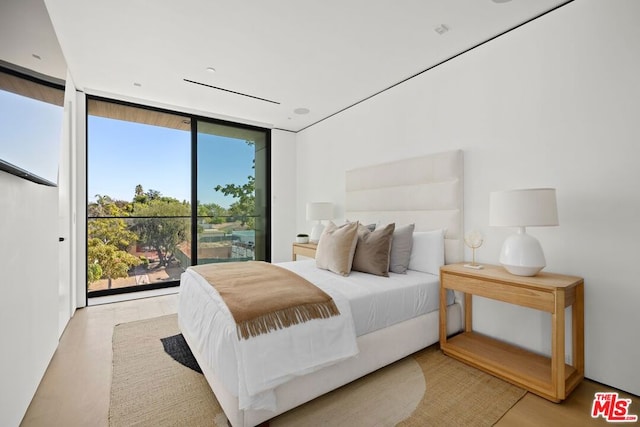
pixel 75 389
pixel 76 386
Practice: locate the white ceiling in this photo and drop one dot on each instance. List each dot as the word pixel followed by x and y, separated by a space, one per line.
pixel 320 55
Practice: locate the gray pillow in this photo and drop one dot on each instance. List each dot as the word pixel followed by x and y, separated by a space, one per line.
pixel 371 227
pixel 372 250
pixel 336 247
pixel 401 249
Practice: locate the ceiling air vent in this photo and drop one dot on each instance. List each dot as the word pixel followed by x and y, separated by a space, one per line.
pixel 231 91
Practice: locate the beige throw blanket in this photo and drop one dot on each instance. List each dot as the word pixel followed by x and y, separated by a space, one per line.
pixel 263 297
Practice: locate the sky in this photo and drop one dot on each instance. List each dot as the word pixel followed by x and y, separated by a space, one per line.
pixel 31 134
pixel 123 154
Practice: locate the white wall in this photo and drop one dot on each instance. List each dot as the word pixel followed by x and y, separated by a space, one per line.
pixel 29 285
pixel 283 194
pixel 79 200
pixel 554 103
pixel 39 273
pixel 66 211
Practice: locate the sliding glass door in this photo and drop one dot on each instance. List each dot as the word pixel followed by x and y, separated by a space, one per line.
pixel 166 191
pixel 138 182
pixel 231 184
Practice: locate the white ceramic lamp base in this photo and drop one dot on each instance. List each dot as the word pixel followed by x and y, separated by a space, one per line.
pixel 316 232
pixel 522 254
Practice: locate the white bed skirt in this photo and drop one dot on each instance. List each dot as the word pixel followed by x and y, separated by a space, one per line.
pixel 377 349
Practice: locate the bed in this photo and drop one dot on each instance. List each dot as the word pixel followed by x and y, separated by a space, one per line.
pixel 388 317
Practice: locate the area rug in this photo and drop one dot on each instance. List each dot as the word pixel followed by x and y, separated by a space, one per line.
pixel 155 382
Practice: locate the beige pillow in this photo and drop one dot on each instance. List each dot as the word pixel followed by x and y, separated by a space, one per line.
pixel 336 247
pixel 373 249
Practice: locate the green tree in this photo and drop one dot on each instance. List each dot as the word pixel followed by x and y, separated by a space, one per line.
pixel 159 232
pixel 213 212
pixel 109 239
pixel 113 231
pixel 245 206
pixel 94 271
pixel 105 206
pixel 144 197
pixel 111 262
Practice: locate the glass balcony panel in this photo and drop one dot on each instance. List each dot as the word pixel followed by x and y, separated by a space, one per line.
pixel 224 239
pixel 125 252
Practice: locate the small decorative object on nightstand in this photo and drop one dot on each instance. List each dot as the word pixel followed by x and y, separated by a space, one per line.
pixel 474 241
pixel 302 238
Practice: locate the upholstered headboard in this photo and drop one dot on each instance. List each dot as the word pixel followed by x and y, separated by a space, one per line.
pixel 426 190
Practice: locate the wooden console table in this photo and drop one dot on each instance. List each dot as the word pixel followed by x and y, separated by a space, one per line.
pixel 549 377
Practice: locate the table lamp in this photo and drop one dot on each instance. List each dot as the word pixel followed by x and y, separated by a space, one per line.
pixel 521 253
pixel 318 211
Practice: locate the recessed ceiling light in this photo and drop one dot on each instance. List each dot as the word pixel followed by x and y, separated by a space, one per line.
pixel 211 69
pixel 301 110
pixel 442 29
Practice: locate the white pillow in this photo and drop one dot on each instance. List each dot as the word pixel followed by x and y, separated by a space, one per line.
pixel 427 252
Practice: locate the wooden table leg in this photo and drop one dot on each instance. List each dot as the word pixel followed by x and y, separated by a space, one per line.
pixel 468 320
pixel 557 346
pixel 577 326
pixel 443 314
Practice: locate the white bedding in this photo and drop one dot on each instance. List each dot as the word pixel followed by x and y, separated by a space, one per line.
pixel 377 302
pixel 251 368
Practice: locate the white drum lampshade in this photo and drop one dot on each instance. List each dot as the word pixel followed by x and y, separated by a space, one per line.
pixel 318 211
pixel 521 253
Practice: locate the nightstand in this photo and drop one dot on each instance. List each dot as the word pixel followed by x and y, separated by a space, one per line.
pixel 304 249
pixel 549 377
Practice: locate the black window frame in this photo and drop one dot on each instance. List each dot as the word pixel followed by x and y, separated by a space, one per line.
pixel 194 119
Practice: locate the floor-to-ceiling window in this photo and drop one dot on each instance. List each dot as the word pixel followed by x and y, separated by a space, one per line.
pixel 168 190
pixel 231 193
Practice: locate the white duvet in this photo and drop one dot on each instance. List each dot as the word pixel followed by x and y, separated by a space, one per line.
pixel 252 368
pixel 377 302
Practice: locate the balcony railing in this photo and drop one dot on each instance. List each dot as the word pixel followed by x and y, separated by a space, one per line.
pixel 138 251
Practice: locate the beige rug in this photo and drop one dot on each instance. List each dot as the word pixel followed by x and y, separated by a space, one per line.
pixel 149 388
